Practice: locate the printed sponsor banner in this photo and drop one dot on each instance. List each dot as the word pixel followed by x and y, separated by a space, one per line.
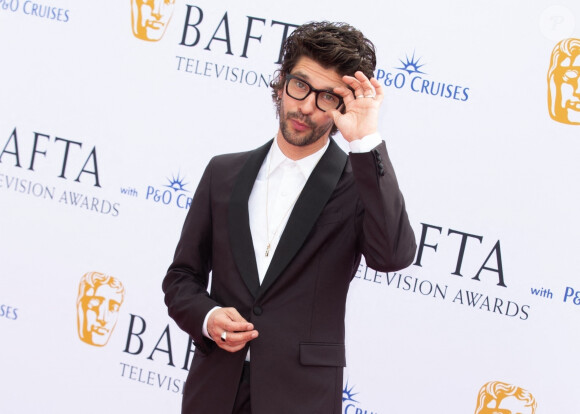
pixel 109 115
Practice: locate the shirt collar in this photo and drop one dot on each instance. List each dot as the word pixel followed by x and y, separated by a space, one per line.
pixel 306 164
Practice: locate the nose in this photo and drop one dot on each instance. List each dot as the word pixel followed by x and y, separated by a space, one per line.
pixel 308 105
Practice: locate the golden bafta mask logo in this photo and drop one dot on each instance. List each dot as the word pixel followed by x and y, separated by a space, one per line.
pixel 564 82
pixel 497 397
pixel 98 303
pixel 150 18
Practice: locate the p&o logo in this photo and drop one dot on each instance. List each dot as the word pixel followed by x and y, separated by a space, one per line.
pixel 350 405
pixel 411 76
pixel 564 82
pixel 173 193
pixel 497 397
pixel 149 18
pixel 98 303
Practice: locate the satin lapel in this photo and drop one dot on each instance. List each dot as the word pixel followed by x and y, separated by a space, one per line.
pixel 309 205
pixel 239 219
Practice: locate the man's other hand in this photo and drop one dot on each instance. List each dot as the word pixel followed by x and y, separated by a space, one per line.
pixel 238 331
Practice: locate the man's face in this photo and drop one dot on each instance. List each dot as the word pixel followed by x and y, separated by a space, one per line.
pixel 301 122
pixel 150 18
pixel 566 96
pixel 509 405
pixel 98 312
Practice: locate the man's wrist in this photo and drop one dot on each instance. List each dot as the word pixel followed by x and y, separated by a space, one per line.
pixel 204 327
pixel 366 143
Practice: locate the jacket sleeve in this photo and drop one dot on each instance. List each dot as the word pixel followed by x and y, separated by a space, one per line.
pixel 386 238
pixel 186 282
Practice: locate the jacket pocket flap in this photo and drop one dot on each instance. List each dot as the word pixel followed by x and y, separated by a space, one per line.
pixel 322 354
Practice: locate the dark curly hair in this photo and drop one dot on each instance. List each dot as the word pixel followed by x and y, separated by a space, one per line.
pixel 336 46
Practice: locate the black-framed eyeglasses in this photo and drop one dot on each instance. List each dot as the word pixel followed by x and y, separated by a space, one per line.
pixel 299 89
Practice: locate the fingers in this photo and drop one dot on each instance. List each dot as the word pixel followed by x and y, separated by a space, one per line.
pixel 234 341
pixel 233 321
pixel 229 329
pixel 361 88
pixel 379 94
pixel 362 99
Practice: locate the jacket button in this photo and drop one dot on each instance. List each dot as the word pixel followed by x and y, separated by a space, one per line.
pixel 257 310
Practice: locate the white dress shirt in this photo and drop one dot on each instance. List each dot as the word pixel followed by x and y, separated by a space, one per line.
pixel 279 184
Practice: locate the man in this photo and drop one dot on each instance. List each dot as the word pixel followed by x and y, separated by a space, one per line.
pixel 497 397
pixel 282 228
pixel 564 82
pixel 98 302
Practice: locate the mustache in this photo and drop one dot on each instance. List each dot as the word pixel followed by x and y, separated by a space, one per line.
pixel 299 116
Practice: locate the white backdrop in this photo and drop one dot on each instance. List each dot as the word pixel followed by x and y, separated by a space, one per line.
pixel 96 124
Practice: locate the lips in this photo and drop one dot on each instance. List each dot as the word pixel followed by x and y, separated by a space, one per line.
pixel 299 126
pixel 575 105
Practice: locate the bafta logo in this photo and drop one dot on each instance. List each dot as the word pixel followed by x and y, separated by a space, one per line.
pixel 98 302
pixel 497 397
pixel 150 18
pixel 564 82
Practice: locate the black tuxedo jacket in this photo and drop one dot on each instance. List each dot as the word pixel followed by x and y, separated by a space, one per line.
pixel 348 207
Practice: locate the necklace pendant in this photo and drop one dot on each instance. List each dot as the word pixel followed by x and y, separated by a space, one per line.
pixel 267 249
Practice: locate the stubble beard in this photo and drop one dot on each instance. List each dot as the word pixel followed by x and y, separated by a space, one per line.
pixel 301 139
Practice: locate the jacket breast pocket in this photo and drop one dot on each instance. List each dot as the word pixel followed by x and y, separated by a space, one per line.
pixel 322 354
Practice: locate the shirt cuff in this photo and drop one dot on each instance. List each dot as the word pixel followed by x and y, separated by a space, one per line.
pixel 204 328
pixel 366 143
